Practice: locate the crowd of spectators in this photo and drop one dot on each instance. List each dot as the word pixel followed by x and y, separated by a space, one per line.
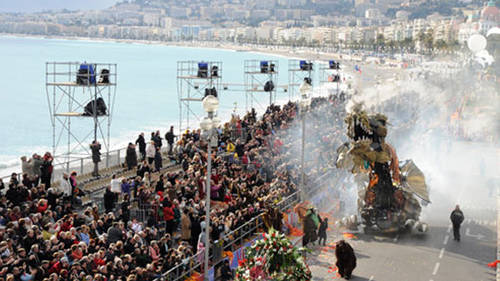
pixel 45 238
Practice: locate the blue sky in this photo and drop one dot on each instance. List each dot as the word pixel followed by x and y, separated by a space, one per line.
pixel 40 5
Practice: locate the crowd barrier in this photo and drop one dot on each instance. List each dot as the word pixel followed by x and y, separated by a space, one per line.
pixel 235 240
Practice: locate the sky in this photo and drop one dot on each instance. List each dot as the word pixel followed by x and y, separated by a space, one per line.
pixel 41 5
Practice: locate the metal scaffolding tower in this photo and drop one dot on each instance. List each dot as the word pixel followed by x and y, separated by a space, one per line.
pixel 329 77
pixel 298 70
pixel 261 76
pixel 194 80
pixel 81 99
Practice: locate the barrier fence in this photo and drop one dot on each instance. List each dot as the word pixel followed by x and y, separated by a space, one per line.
pixel 233 240
pixel 82 166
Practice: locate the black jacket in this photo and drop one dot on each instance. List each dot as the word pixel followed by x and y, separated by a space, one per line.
pixel 109 200
pixel 169 136
pixel 457 217
pixel 96 152
pixel 142 143
pixel 131 157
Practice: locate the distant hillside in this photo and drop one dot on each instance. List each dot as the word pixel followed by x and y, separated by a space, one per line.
pixel 28 6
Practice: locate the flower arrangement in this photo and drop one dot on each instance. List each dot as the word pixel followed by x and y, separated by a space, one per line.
pixel 273 258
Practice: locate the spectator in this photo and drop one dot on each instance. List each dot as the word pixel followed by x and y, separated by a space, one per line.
pixel 168 213
pixel 66 188
pixel 95 147
pixel 109 247
pixel 170 137
pixel 158 160
pixel 116 185
pixel 37 164
pixel 142 146
pixel 151 152
pixel 109 200
pixel 226 272
pixel 27 167
pixel 186 226
pixel 131 157
pixel 46 169
pixel 155 137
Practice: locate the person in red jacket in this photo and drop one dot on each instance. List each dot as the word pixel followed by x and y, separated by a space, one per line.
pixel 168 214
pixel 58 266
pixel 42 206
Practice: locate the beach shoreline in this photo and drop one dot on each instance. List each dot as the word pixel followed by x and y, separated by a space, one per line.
pixel 287 52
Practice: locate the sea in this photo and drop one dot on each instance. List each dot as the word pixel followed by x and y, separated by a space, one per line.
pixel 146 92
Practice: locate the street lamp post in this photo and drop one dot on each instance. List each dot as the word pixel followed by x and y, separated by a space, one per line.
pixel 208 124
pixel 304 90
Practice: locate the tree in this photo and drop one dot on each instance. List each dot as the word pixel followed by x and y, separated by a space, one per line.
pixel 380 41
pixel 441 44
pixel 429 40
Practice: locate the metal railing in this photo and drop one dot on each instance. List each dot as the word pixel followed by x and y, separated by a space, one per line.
pixel 82 166
pixel 234 238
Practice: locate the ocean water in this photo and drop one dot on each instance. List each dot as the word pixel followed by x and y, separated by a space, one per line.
pixel 146 97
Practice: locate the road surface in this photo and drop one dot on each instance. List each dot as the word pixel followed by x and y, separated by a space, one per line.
pixel 433 256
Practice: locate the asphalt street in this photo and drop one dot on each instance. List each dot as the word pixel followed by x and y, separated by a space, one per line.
pixel 432 256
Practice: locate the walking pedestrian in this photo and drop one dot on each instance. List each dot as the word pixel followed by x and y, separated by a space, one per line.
pixel 456 217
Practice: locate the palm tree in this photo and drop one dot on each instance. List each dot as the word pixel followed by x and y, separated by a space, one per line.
pixel 429 40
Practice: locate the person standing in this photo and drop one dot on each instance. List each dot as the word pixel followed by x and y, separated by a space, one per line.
pixel 109 200
pixel 226 272
pixel 170 137
pixel 96 156
pixel 27 167
pixel 456 217
pixel 131 157
pixel 322 231
pixel 46 169
pixel 158 160
pixel 155 137
pixel 150 152
pixel 185 226
pixel 66 188
pixel 309 228
pixel 346 259
pixel 142 146
pixel 37 164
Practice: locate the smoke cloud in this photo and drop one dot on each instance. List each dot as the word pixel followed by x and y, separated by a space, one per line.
pixel 442 116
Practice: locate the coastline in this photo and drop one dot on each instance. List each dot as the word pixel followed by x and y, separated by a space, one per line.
pixel 282 51
pixel 287 52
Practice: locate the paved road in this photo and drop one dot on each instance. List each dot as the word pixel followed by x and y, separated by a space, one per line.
pixel 409 257
pixel 433 256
